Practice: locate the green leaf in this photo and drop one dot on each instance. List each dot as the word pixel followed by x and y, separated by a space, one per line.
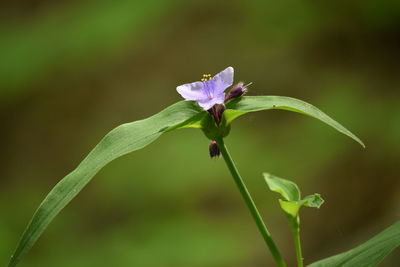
pixel 287 189
pixel 243 105
pixel 292 207
pixel 313 201
pixel 196 121
pixel 368 254
pixel 124 139
pixel 291 193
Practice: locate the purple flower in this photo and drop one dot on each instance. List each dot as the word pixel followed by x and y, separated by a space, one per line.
pixel 210 90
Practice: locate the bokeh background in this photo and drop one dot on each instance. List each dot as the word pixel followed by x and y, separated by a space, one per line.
pixel 70 71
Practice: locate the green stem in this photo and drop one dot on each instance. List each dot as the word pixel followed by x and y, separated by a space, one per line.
pixel 297 244
pixel 250 204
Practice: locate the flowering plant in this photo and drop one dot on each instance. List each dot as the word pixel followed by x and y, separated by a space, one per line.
pixel 209 108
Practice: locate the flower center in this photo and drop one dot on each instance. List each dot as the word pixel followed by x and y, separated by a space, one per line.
pixel 208 85
pixel 206 77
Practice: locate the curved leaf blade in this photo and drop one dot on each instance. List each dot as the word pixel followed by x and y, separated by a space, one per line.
pixel 287 189
pixel 123 139
pixel 368 254
pixel 243 105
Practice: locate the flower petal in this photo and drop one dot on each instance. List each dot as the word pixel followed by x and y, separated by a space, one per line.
pixel 207 103
pixel 219 98
pixel 192 91
pixel 223 80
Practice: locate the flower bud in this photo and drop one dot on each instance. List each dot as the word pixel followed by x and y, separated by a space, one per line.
pixel 214 150
pixel 236 91
pixel 216 111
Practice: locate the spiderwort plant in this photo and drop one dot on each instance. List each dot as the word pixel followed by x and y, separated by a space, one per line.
pixel 206 107
pixel 210 95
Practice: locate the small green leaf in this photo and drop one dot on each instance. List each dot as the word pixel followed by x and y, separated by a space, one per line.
pixel 243 105
pixel 287 189
pixel 313 201
pixel 292 207
pixel 291 193
pixel 368 254
pixel 124 139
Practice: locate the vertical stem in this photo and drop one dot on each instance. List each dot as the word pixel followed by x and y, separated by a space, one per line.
pixel 250 204
pixel 297 244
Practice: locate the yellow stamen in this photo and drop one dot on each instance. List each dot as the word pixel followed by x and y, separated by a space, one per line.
pixel 206 77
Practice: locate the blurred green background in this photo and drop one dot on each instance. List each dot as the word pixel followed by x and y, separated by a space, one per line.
pixel 70 71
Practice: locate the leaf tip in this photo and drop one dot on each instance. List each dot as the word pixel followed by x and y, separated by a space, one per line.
pixel 361 143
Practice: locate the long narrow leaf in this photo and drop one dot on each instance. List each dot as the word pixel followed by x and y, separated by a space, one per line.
pixel 239 107
pixel 124 139
pixel 368 254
